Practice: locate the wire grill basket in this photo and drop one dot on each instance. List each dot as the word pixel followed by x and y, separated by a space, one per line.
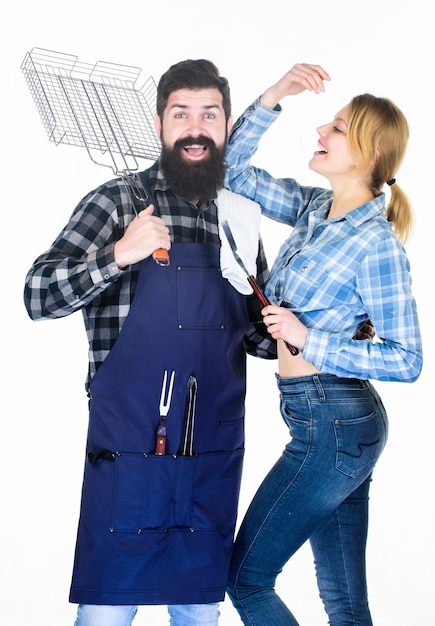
pixel 97 107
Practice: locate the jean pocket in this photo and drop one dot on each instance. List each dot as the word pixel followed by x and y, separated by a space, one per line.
pixel 360 442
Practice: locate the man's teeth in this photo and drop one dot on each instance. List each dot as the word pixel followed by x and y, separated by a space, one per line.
pixel 194 146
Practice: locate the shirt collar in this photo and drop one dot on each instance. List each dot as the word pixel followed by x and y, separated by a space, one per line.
pixel 160 180
pixel 366 212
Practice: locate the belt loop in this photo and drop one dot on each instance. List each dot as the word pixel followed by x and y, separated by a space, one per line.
pixel 319 388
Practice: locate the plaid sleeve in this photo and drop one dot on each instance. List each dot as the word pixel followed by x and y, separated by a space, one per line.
pixel 80 263
pixel 257 341
pixel 384 284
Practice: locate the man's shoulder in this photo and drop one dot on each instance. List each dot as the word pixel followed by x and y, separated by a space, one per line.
pixel 227 196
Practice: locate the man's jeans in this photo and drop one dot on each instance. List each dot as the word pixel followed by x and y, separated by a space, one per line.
pixel 317 490
pixel 180 615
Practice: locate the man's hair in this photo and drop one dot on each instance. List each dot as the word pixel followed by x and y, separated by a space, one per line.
pixel 192 74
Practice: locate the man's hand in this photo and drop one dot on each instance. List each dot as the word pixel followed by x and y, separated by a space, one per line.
pixel 144 234
pixel 365 332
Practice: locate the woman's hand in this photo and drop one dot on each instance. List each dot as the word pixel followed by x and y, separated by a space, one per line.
pixel 283 324
pixel 301 77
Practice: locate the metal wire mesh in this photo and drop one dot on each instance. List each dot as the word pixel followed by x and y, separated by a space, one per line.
pixel 96 106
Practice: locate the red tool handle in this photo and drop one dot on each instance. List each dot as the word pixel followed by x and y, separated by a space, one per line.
pixel 258 291
pixel 264 301
pixel 161 256
pixel 160 445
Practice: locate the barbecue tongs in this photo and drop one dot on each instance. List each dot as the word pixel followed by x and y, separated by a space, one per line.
pixel 251 280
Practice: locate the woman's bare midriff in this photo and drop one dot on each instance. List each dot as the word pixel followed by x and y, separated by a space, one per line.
pixel 290 366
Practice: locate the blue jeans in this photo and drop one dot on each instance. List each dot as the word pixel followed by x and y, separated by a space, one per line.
pixel 318 490
pixel 180 615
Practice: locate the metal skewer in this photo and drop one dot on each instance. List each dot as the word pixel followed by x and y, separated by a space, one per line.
pixel 255 286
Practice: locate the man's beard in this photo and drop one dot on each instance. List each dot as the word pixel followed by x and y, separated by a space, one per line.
pixel 194 180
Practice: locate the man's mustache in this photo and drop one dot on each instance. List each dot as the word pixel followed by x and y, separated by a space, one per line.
pixel 200 140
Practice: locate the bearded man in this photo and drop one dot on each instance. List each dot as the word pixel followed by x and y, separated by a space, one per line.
pixel 167 365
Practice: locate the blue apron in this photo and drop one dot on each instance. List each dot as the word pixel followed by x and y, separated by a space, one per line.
pixel 159 529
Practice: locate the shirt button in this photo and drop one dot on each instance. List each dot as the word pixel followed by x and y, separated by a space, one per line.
pixel 304 269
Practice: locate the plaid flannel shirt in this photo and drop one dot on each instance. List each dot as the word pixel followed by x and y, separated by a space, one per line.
pixel 79 271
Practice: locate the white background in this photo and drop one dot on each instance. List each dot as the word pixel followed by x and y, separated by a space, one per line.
pixel 384 47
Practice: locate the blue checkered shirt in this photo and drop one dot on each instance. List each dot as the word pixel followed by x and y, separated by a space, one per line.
pixel 334 274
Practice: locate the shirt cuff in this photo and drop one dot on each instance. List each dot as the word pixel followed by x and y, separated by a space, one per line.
pixel 318 345
pixel 266 114
pixel 102 266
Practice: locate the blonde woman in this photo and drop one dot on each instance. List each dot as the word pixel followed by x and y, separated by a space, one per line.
pixel 344 263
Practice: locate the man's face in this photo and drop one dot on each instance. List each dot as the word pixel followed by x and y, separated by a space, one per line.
pixel 192 113
pixel 193 133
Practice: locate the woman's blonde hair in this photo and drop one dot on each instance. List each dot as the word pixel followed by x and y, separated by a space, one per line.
pixel 378 132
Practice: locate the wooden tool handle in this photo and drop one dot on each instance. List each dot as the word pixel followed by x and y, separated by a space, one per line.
pixel 160 445
pixel 161 256
pixel 264 301
pixel 258 291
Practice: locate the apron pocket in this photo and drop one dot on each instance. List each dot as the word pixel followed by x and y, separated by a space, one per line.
pixel 216 489
pixel 151 492
pixel 156 493
pixel 208 313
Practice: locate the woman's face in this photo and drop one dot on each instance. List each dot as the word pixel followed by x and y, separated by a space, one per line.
pixel 334 158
